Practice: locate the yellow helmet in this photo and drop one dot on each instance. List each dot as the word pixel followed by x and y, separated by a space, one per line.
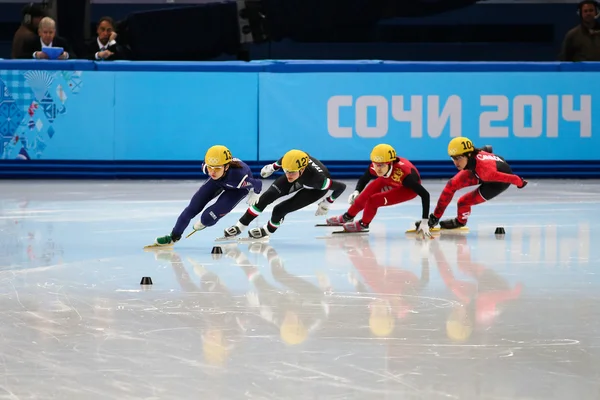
pixel 381 320
pixel 381 325
pixel 292 330
pixel 215 351
pixel 294 160
pixel 383 153
pixel 459 146
pixel 458 326
pixel 218 155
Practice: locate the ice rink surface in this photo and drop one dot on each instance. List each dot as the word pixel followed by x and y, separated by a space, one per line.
pixel 304 316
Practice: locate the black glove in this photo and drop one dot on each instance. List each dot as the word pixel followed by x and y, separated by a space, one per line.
pixel 433 220
pixel 523 184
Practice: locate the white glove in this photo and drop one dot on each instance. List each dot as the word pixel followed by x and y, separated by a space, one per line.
pixel 424 228
pixel 323 207
pixel 252 198
pixel 353 196
pixel 253 299
pixel 267 170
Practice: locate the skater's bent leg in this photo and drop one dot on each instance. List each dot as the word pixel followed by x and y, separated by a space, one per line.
pixel 279 188
pixel 485 192
pixel 384 199
pixel 199 200
pixel 300 200
pixel 361 201
pixel 223 206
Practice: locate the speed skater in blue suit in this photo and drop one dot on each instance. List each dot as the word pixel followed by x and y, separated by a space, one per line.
pixel 230 179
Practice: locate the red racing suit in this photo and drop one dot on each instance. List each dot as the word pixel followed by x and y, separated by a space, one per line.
pixel 400 184
pixel 491 171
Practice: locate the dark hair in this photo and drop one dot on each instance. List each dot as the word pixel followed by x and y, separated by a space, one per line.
pixel 584 2
pixel 34 10
pixel 235 164
pixel 475 151
pixel 107 19
pixel 31 11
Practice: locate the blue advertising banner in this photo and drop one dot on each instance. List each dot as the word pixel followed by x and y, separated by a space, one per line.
pixel 142 119
pixel 48 114
pixel 178 115
pixel 341 116
pixel 123 115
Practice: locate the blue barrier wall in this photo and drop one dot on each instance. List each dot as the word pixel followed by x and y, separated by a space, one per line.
pixel 154 119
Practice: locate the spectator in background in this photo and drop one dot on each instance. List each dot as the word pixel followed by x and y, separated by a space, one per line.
pixel 105 46
pixel 582 43
pixel 32 14
pixel 47 38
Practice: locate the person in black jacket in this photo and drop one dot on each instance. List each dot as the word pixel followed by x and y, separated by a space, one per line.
pixel 105 46
pixel 33 48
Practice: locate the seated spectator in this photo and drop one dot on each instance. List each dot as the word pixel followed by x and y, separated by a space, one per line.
pixel 582 43
pixel 32 14
pixel 105 46
pixel 47 38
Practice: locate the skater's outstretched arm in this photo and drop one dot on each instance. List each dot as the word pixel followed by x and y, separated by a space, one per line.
pixel 413 183
pixel 338 188
pixel 365 179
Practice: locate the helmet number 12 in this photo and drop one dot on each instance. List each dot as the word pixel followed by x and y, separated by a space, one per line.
pixel 302 162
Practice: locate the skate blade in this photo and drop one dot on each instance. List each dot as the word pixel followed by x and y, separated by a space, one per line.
pixel 158 246
pixel 226 239
pixel 253 240
pixel 328 226
pixel 191 233
pixel 439 230
pixel 349 232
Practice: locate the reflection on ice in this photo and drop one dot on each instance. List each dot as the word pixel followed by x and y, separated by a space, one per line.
pixel 464 316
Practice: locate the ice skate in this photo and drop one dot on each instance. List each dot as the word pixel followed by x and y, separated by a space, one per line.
pixel 447 225
pixel 229 234
pixel 339 220
pixel 161 241
pixel 258 233
pixel 357 226
pixel 354 227
pixel 451 224
pixel 198 226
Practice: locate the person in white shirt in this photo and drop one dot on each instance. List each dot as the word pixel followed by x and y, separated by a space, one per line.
pixel 104 46
pixel 47 38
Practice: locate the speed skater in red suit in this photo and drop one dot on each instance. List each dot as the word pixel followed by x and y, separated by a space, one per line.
pixel 476 167
pixel 396 180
